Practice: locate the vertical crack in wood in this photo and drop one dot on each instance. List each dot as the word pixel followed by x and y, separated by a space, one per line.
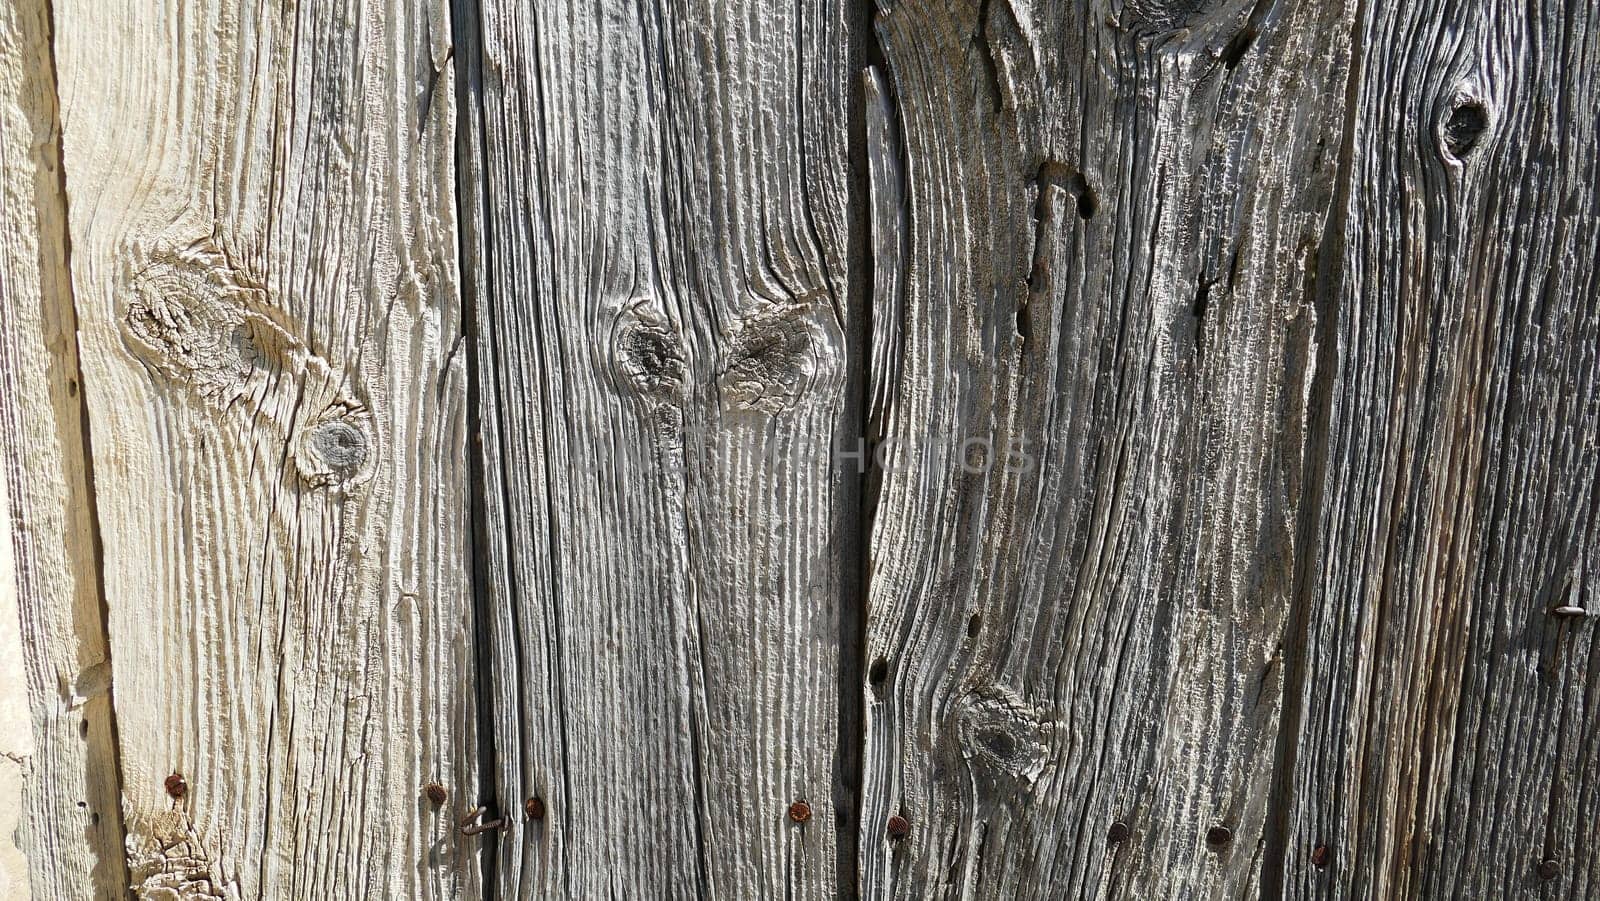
pixel 117 827
pixel 472 244
pixel 1327 273
pixel 41 347
pixel 877 209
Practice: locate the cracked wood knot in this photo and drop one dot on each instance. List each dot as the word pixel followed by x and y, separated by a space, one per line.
pixel 782 355
pixel 1004 740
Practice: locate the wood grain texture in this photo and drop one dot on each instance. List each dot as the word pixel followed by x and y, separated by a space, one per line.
pixel 71 827
pixel 663 323
pixel 16 728
pixel 264 262
pixel 1115 216
pixel 1195 403
pixel 1450 736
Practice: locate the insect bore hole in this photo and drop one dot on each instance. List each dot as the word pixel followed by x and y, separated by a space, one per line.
pixel 1087 202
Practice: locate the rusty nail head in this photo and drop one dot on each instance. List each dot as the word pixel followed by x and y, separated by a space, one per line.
pixel 1320 856
pixel 177 786
pixel 435 793
pixel 899 827
pixel 1217 836
pixel 1549 868
pixel 799 811
pixel 1118 833
pixel 534 808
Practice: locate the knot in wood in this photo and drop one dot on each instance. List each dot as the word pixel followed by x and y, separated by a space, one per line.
pixel 1166 17
pixel 646 353
pixel 168 860
pixel 336 449
pixel 782 355
pixel 1463 126
pixel 187 319
pixel 1003 739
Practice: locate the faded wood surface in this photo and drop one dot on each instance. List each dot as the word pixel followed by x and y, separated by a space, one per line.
pixel 1115 450
pixel 1449 738
pixel 1108 272
pixel 70 828
pixel 662 319
pixel 263 260
pixel 16 728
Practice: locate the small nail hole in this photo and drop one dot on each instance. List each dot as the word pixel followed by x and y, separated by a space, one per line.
pixel 1118 833
pixel 1219 836
pixel 975 625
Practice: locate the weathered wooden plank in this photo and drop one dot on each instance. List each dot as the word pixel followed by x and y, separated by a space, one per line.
pixel 661 195
pixel 63 749
pixel 1115 218
pixel 1448 740
pixel 16 731
pixel 264 262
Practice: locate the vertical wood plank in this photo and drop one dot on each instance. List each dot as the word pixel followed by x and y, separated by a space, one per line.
pixel 1448 742
pixel 63 749
pixel 265 265
pixel 16 733
pixel 664 320
pixel 1076 663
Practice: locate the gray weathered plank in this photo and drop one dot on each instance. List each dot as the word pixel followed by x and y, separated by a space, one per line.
pixel 1448 739
pixel 71 825
pixel 660 196
pixel 263 258
pixel 1115 218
